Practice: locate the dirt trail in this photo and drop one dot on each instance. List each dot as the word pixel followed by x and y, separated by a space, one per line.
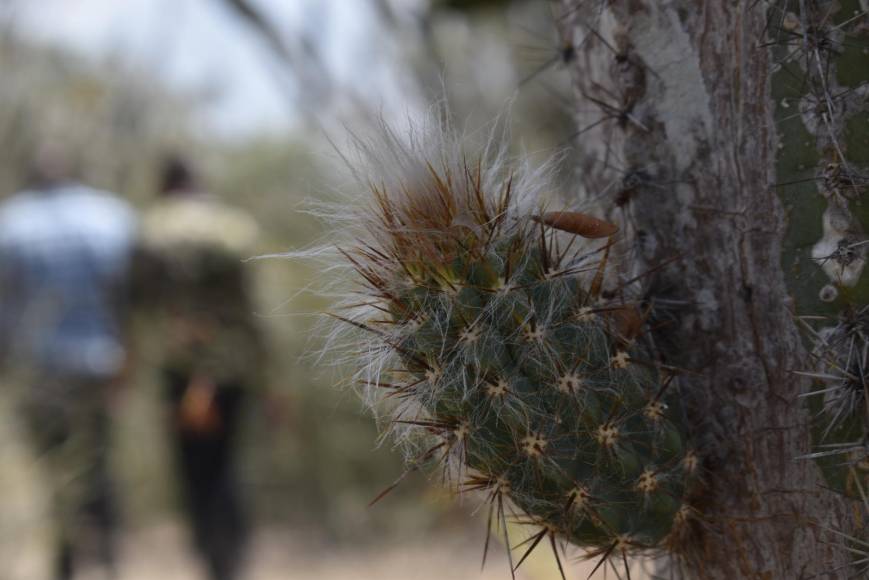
pixel 288 556
pixel 159 553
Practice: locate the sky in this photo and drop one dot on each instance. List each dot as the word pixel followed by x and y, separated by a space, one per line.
pixel 199 48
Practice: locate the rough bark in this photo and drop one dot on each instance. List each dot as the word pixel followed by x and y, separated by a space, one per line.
pixel 686 157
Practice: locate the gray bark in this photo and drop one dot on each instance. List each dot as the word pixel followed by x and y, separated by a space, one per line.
pixel 687 86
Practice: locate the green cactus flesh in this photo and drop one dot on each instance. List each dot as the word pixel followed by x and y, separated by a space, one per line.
pixel 519 372
pixel 840 404
pixel 821 90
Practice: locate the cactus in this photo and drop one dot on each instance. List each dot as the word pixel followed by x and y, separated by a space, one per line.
pixel 839 402
pixel 505 362
pixel 719 124
pixel 820 91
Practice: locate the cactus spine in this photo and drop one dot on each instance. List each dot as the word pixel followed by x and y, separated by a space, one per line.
pixel 504 361
pixel 821 89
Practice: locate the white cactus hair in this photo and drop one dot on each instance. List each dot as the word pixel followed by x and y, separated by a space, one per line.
pixel 394 168
pixel 397 160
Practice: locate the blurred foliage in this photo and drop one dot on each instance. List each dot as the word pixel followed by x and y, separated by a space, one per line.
pixel 492 54
pixel 317 464
pixel 115 123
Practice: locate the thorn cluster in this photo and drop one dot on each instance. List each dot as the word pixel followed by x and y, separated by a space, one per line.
pixel 507 365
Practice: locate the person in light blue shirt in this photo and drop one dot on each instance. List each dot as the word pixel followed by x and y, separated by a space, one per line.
pixel 64 254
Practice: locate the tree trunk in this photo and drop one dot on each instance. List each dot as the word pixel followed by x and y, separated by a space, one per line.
pixel 675 116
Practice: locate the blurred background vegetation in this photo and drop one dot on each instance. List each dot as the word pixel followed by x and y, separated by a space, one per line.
pixel 317 466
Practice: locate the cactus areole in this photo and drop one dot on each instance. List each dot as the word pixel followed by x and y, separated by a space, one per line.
pixel 502 361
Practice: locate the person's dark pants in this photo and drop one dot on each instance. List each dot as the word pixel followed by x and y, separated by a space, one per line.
pixel 69 427
pixel 205 466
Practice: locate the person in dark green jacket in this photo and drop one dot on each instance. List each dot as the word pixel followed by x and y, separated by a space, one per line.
pixel 190 277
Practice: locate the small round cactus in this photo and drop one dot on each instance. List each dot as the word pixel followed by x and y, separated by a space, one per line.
pixel 482 322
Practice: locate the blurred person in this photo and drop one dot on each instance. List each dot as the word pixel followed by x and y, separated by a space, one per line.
pixel 64 254
pixel 191 276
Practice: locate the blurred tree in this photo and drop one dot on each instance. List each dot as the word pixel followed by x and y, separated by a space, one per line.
pixel 471 5
pixel 118 122
pixel 114 123
pixel 302 57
